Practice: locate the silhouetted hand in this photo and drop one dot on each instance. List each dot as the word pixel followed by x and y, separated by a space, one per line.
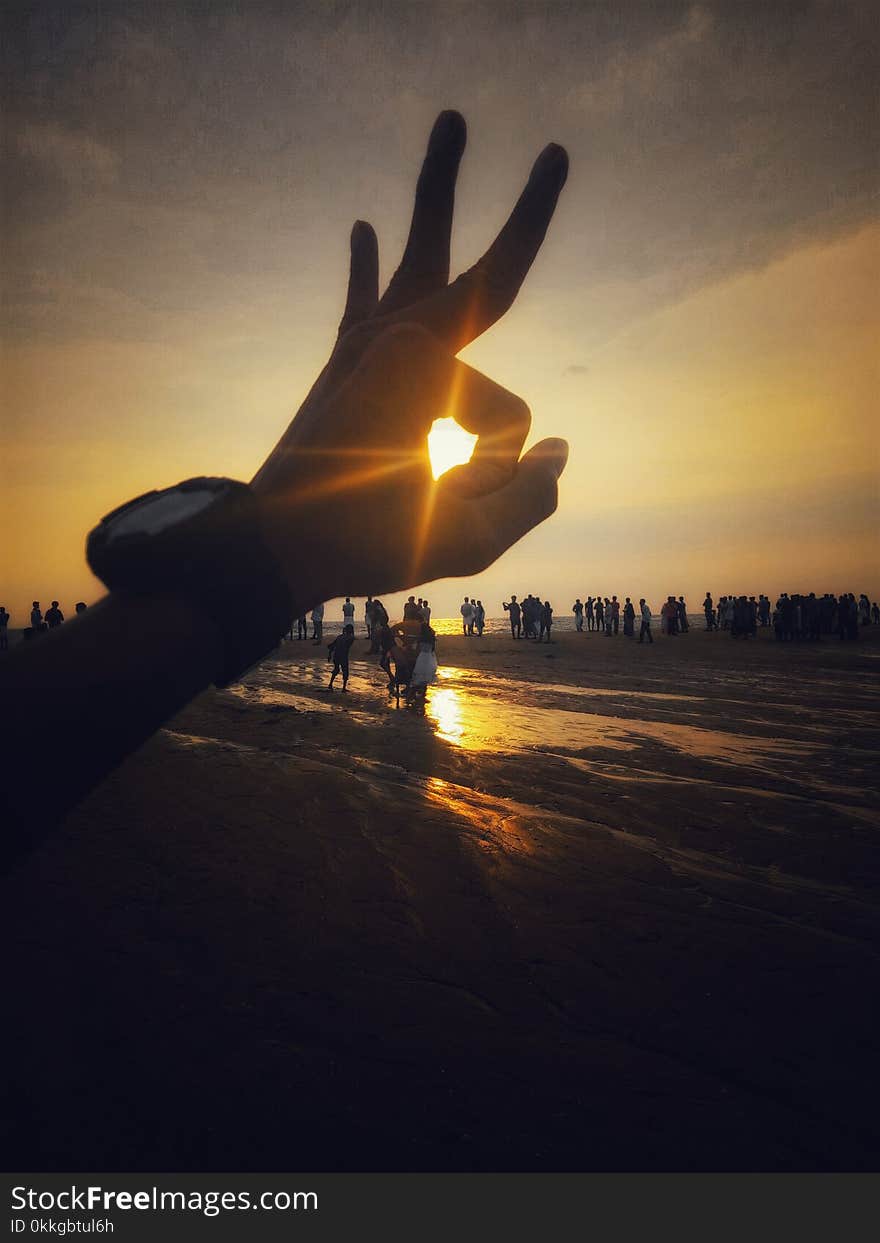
pixel 351 505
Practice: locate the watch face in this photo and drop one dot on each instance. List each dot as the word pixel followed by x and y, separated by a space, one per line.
pixel 157 513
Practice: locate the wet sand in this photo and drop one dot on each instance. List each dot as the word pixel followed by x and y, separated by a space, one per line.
pixel 602 907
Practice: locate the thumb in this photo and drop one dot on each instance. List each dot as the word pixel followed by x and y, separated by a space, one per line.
pixel 504 516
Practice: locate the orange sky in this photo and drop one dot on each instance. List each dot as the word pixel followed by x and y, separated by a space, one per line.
pixel 702 324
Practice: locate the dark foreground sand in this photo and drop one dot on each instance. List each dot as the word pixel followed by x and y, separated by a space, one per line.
pixel 602 907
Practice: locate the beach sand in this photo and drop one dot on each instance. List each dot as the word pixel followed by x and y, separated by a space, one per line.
pixel 602 907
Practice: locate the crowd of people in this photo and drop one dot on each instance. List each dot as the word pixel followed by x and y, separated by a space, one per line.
pixel 406 649
pixel 39 622
pixel 529 618
pixel 794 617
pixel 473 616
pixel 606 615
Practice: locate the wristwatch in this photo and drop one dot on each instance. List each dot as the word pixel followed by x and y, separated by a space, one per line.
pixel 200 540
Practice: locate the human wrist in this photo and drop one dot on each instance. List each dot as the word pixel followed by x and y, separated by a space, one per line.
pixel 200 541
pixel 291 534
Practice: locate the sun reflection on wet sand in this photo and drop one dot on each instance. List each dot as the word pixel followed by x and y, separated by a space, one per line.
pixel 443 707
pixel 267 688
pixel 496 825
pixel 477 723
pixel 510 685
pixel 271 697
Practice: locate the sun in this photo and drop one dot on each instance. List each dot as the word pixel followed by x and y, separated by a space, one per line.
pixel 449 445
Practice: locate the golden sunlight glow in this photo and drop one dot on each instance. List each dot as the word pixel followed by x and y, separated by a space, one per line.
pixel 443 706
pixel 449 445
pixel 497 824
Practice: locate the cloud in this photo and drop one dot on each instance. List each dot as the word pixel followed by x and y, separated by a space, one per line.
pixel 73 154
pixel 727 139
pixel 705 139
pixel 645 73
pixel 576 369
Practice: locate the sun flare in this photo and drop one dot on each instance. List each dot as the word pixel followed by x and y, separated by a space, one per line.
pixel 449 445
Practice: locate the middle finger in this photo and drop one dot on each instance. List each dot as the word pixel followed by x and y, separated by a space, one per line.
pixel 457 314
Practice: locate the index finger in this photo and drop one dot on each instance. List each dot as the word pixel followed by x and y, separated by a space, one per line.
pixel 409 379
pixel 480 296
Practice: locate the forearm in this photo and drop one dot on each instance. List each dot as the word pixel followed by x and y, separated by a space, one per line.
pixel 79 700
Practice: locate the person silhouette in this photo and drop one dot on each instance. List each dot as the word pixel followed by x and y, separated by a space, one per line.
pixel 318 624
pixel 515 613
pixel 645 628
pixel 578 609
pixel 347 613
pixel 629 617
pixel 467 611
pixel 4 628
pixel 609 618
pixel 546 620
pixel 338 652
pixel 425 668
pixel 54 616
pixel 682 615
pixel 669 617
pixel 380 623
pixel 709 612
pixel 36 617
pixel 531 616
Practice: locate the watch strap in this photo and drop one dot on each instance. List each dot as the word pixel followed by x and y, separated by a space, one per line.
pixel 216 559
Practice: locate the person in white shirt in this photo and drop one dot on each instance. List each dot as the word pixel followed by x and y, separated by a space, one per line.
pixel 645 628
pixel 468 612
pixel 318 623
